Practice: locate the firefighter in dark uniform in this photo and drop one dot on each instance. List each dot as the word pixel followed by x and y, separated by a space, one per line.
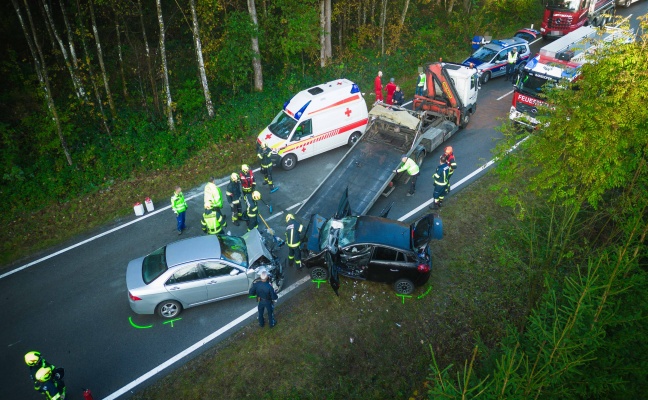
pixel 210 222
pixel 233 193
pixel 440 182
pixel 265 155
pixel 35 361
pixel 252 209
pixel 452 163
pixel 247 179
pixel 266 296
pixel 53 389
pixel 293 239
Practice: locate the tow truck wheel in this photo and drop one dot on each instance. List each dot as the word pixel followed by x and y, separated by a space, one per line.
pixel 465 118
pixel 354 138
pixel 288 162
pixel 486 77
pixel 319 274
pixel 420 157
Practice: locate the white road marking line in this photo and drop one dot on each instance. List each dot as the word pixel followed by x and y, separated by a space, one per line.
pixel 197 345
pixel 504 95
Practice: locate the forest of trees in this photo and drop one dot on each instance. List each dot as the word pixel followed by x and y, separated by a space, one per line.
pixel 96 91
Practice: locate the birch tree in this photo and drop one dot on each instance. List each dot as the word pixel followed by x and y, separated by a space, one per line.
pixel 383 18
pixel 69 31
pixel 404 14
pixel 41 72
pixel 256 55
pixel 95 31
pixel 147 50
pixel 199 57
pixel 325 32
pixel 76 81
pixel 165 70
pixel 119 55
pixel 88 62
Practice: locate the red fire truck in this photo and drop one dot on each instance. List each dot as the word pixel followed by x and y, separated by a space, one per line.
pixel 564 16
pixel 557 63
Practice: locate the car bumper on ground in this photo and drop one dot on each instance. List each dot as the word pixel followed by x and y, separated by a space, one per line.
pixel 522 119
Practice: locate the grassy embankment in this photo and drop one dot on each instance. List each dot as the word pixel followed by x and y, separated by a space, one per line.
pixel 370 343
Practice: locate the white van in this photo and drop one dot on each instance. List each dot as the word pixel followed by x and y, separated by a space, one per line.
pixel 316 120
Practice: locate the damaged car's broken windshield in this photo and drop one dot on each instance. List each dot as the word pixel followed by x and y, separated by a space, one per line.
pixel 342 229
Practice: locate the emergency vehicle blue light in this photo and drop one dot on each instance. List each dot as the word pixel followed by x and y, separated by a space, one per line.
pixel 355 88
pixel 287 102
pixel 498 43
pixel 299 113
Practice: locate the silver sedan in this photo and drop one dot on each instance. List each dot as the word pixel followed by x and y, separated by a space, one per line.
pixel 197 271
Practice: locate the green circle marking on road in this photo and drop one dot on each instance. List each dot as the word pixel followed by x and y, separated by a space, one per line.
pixel 130 319
pixel 426 292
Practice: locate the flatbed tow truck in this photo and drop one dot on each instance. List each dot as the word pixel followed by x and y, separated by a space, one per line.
pixel 367 169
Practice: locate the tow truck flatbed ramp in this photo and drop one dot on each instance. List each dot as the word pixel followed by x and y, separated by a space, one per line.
pixel 367 168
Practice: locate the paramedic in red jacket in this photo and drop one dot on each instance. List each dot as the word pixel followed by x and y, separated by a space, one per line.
pixel 378 87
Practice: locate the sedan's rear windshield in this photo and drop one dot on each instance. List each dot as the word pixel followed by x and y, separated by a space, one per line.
pixel 154 265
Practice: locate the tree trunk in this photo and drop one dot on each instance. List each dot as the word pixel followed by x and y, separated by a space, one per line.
pixel 120 55
pixel 156 98
pixel 201 63
pixel 76 82
pixel 404 14
pixel 68 28
pixel 165 69
pixel 86 55
pixel 383 18
pixel 111 104
pixel 256 54
pixel 322 34
pixel 329 47
pixel 41 72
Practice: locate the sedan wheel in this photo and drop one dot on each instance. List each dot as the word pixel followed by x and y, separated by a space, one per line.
pixel 169 309
pixel 485 78
pixel 404 286
pixel 319 274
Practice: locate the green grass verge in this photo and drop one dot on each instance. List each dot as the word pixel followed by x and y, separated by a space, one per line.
pixel 368 343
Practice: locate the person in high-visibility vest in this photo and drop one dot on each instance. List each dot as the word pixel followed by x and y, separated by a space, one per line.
pixel 179 207
pixel 247 179
pixel 511 62
pixel 210 223
pixel 214 200
pixel 293 240
pixel 252 209
pixel 35 361
pixel 265 155
pixel 233 193
pixel 412 169
pixel 420 85
pixel 440 182
pixel 53 389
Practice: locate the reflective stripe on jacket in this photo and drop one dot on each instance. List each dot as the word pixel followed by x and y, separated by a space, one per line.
pixel 512 57
pixel 213 197
pixel 441 175
pixel 421 82
pixel 293 234
pixel 210 224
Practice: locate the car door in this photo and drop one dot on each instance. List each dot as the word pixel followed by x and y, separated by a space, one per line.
pixel 386 264
pixel 187 285
pixel 500 60
pixel 301 142
pixel 223 279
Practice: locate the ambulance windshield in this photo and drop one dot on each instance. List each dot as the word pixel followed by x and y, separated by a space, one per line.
pixel 282 125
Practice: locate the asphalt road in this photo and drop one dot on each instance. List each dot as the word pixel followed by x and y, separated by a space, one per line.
pixel 73 307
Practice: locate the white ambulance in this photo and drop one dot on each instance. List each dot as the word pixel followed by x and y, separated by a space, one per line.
pixel 316 120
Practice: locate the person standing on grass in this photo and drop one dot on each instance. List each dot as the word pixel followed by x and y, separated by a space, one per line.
pixel 179 207
pixel 266 296
pixel 391 88
pixel 378 86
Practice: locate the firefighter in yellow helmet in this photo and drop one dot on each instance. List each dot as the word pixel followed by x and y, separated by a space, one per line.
pixel 233 193
pixel 265 155
pixel 247 179
pixel 52 386
pixel 293 240
pixel 252 202
pixel 34 362
pixel 452 163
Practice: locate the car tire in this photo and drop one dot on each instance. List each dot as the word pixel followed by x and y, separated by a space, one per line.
pixel 404 286
pixel 319 274
pixel 485 78
pixel 288 162
pixel 168 309
pixel 354 138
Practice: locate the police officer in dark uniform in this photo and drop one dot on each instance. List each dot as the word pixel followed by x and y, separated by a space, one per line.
pixel 266 296
pixel 293 239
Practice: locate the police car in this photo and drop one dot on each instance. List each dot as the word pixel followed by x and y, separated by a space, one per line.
pixel 491 59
